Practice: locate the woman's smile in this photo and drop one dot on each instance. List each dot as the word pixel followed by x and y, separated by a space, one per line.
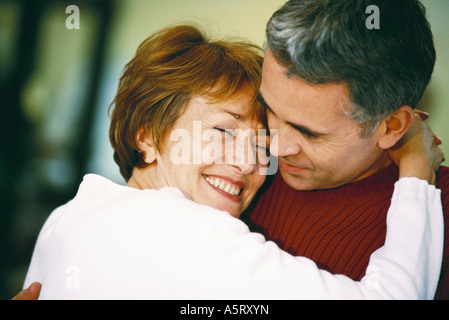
pixel 224 186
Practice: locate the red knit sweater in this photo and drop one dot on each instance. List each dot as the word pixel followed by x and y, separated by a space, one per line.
pixel 337 228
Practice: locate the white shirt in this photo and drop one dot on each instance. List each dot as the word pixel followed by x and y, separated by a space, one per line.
pixel 116 242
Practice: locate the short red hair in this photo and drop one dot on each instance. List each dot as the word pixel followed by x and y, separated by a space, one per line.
pixel 168 69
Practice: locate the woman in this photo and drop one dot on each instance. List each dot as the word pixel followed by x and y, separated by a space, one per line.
pixel 187 139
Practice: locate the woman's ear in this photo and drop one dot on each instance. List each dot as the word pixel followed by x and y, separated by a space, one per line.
pixel 394 126
pixel 146 145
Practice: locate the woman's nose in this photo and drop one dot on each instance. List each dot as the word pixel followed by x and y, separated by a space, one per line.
pixel 242 156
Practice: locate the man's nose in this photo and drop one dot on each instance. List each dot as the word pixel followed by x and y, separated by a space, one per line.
pixel 282 144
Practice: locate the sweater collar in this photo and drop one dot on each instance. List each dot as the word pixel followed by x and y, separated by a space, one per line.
pixel 381 181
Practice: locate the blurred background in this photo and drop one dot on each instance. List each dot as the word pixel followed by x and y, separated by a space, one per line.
pixel 57 83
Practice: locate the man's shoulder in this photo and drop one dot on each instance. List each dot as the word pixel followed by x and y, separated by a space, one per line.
pixel 443 179
pixel 443 185
pixel 443 170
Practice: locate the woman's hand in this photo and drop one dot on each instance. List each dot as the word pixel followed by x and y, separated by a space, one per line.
pixel 417 153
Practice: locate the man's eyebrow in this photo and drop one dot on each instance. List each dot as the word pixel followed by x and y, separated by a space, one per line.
pixel 303 129
pixel 308 132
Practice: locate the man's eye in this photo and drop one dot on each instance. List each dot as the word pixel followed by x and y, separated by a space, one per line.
pixel 309 135
pixel 306 133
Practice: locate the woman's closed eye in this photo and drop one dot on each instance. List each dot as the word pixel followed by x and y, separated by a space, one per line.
pixel 224 130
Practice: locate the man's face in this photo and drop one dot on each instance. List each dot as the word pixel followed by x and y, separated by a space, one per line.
pixel 317 143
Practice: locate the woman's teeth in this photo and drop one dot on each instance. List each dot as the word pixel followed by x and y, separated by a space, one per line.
pixel 223 185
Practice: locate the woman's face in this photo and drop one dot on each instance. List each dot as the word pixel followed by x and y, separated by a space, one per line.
pixel 214 153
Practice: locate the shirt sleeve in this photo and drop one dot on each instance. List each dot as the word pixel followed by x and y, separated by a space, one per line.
pixel 406 267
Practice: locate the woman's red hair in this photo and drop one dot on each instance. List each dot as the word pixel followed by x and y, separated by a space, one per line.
pixel 168 69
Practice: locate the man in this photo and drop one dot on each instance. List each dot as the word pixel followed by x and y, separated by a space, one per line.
pixel 340 95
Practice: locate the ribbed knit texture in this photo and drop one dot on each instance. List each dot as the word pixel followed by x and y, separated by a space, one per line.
pixel 338 228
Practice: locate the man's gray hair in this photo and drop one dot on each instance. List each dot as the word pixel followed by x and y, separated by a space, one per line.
pixel 327 41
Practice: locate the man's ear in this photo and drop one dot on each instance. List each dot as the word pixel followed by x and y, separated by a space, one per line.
pixel 394 126
pixel 145 143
